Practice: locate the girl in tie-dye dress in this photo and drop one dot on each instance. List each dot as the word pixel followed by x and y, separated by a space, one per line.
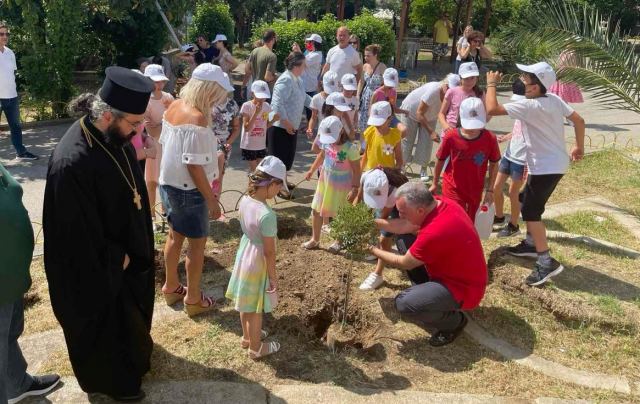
pixel 339 176
pixel 253 283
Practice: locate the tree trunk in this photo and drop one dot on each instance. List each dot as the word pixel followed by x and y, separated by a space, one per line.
pixel 357 5
pixel 404 17
pixel 487 16
pixel 327 6
pixel 456 27
pixel 341 10
pixel 467 18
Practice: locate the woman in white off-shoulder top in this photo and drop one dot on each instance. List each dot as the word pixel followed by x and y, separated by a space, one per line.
pixel 189 164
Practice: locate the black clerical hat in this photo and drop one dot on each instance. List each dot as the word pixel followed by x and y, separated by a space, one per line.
pixel 126 90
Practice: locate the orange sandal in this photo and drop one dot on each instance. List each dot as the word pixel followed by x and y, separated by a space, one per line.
pixel 175 296
pixel 197 308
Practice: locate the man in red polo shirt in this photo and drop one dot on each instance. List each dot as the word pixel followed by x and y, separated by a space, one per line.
pixel 448 245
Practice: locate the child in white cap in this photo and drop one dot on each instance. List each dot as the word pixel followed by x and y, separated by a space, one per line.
pixel 383 147
pixel 253 285
pixel 387 92
pixel 349 89
pixel 379 193
pixel 542 115
pixel 158 103
pixel 470 151
pixel 256 120
pixel 329 85
pixel 450 107
pixel 339 176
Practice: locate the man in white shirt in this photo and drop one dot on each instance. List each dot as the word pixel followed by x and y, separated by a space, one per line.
pixel 343 58
pixel 542 116
pixel 9 103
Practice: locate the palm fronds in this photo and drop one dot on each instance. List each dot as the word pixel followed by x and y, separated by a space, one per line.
pixel 605 63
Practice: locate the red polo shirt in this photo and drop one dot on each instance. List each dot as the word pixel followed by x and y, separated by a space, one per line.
pixel 450 248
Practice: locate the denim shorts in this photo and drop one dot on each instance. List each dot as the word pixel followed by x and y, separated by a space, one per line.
pixel 394 214
pixel 514 170
pixel 187 211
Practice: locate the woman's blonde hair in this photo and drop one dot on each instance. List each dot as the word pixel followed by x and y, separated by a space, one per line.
pixel 203 95
pixel 258 179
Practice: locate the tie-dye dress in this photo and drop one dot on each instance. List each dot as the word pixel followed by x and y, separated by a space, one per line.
pixel 335 180
pixel 249 280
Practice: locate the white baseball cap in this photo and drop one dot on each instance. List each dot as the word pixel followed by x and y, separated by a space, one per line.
pixel 219 37
pixel 187 47
pixel 349 82
pixel 211 72
pixel 260 89
pixel 275 168
pixel 390 77
pixel 468 69
pixel 329 130
pixel 380 112
pixel 453 80
pixel 330 82
pixel 314 37
pixel 472 114
pixel 338 101
pixel 155 73
pixel 543 72
pixel 375 188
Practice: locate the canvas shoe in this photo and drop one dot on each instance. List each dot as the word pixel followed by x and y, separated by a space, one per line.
pixel 542 274
pixel 523 250
pixel 39 386
pixel 27 156
pixel 372 282
pixel 442 338
pixel 424 176
pixel 509 230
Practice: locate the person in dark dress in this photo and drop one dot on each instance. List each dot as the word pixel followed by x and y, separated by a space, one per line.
pixel 98 239
pixel 206 53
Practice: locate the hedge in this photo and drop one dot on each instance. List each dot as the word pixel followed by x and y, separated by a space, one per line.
pixel 368 28
pixel 210 19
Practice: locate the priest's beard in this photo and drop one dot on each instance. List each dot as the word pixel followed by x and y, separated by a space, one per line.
pixel 115 137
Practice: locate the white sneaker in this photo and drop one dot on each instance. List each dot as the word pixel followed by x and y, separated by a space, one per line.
pixel 373 281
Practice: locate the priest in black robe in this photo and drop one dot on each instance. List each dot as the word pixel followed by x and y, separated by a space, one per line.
pixel 98 239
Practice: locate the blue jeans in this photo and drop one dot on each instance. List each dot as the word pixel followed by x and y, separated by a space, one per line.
pixel 11 109
pixel 14 379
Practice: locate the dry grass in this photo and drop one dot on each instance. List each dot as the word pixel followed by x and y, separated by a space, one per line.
pixel 38 314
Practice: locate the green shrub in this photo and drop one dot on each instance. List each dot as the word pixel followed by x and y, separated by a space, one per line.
pixel 210 19
pixel 368 28
pixel 354 228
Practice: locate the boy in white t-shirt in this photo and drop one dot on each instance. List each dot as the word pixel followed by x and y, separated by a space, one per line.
pixel 256 118
pixel 329 85
pixel 349 89
pixel 542 116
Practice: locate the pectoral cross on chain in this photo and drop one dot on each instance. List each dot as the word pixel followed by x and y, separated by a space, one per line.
pixel 137 200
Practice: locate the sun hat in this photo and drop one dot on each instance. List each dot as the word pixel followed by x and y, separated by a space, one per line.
pixel 468 69
pixel 274 167
pixel 219 37
pixel 338 101
pixel 187 47
pixel 155 73
pixel 472 114
pixel 329 130
pixel 453 80
pixel 260 89
pixel 380 112
pixel 375 188
pixel 390 77
pixel 211 72
pixel 349 82
pixel 314 37
pixel 330 82
pixel 543 72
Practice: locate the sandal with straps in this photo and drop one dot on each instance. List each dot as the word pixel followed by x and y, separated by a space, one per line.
pixel 272 347
pixel 310 245
pixel 244 343
pixel 175 296
pixel 197 308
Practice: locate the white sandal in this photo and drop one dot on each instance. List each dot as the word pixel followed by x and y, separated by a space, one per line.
pixel 310 245
pixel 244 343
pixel 273 347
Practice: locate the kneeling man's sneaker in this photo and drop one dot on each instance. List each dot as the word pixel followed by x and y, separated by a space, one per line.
pixel 523 250
pixel 442 338
pixel 39 386
pixel 542 274
pixel 373 281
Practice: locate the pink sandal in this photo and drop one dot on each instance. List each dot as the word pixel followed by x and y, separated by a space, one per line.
pixel 197 308
pixel 175 296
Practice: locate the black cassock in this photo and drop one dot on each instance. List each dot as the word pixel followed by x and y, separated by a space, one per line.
pixel 90 223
